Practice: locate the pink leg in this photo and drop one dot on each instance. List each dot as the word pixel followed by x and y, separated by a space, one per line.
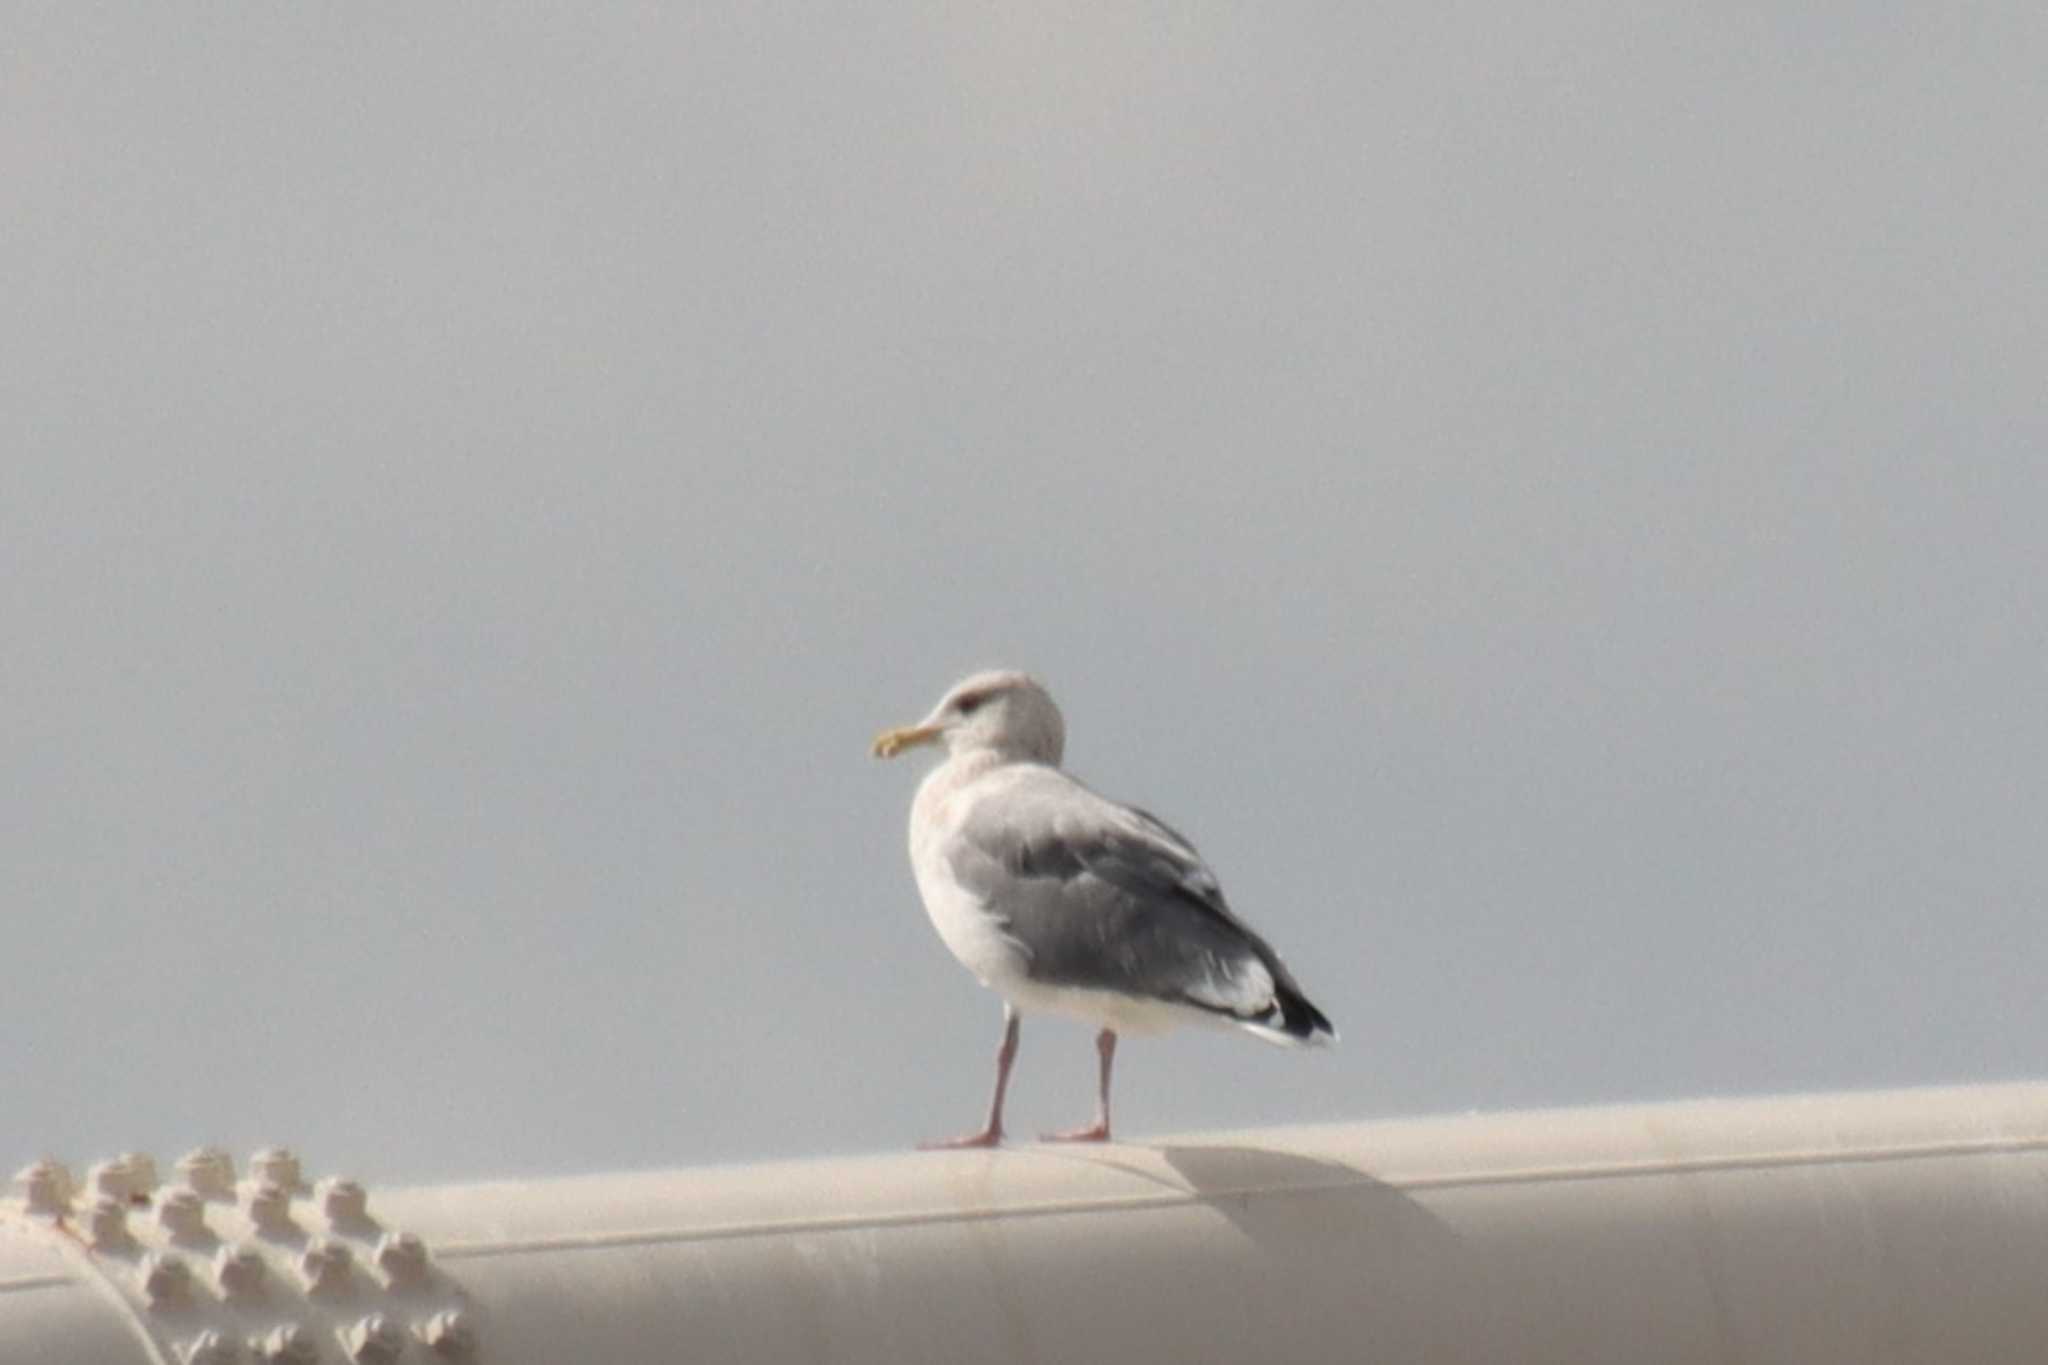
pixel 992 1133
pixel 1098 1131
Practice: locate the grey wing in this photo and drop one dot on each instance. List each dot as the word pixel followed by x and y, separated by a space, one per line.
pixel 1106 897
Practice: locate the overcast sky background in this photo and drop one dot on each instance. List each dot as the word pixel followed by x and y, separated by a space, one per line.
pixel 1550 500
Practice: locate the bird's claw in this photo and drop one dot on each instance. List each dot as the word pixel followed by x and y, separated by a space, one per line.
pixel 987 1137
pixel 1094 1132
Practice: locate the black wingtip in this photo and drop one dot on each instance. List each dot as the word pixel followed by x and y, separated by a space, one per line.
pixel 1301 1019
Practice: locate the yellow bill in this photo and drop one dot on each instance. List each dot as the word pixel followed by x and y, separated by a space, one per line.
pixel 890 743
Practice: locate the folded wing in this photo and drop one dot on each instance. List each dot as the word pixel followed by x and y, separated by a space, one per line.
pixel 1106 897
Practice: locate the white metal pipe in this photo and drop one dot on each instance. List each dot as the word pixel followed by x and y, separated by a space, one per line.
pixel 1891 1227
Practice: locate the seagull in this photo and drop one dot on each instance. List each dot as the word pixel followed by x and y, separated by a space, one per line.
pixel 1063 901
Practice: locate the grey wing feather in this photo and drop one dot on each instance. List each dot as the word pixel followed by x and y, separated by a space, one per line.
pixel 1108 897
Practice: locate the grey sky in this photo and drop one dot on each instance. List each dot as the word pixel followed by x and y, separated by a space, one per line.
pixel 1550 500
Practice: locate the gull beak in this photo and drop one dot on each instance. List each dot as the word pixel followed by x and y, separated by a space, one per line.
pixel 890 743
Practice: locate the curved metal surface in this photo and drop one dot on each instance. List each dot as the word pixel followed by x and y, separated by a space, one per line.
pixel 1892 1227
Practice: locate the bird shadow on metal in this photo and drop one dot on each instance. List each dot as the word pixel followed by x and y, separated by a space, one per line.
pixel 1324 1225
pixel 1268 1195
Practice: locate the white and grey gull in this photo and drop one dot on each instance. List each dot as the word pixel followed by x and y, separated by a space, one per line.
pixel 1063 901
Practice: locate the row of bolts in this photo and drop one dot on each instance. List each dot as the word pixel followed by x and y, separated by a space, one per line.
pixel 112 1187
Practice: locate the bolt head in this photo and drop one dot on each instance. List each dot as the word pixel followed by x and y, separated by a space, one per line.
pixel 106 1224
pixel 403 1259
pixel 270 1207
pixel 166 1280
pixel 110 1180
pixel 326 1266
pixel 142 1181
pixel 277 1166
pixel 239 1272
pixel 46 1186
pixel 209 1172
pixel 129 1177
pixel 182 1213
pixel 344 1201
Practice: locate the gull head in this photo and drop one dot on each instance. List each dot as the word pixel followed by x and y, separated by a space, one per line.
pixel 1003 712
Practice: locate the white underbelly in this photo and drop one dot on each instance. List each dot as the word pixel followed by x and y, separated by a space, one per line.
pixel 1127 1014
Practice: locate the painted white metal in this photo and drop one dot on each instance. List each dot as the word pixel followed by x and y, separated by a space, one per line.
pixel 1866 1228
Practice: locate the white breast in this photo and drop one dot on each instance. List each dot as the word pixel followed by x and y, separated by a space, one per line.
pixel 964 921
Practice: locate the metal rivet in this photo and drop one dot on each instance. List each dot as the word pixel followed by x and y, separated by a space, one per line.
pixel 326 1265
pixel 46 1186
pixel 182 1213
pixel 166 1280
pixel 449 1334
pixel 210 1348
pixel 142 1181
pixel 270 1207
pixel 290 1344
pixel 403 1258
pixel 209 1172
pixel 110 1180
pixel 277 1166
pixel 106 1224
pixel 375 1340
pixel 344 1201
pixel 239 1271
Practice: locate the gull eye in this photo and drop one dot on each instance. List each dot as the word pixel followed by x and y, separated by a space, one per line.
pixel 968 704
